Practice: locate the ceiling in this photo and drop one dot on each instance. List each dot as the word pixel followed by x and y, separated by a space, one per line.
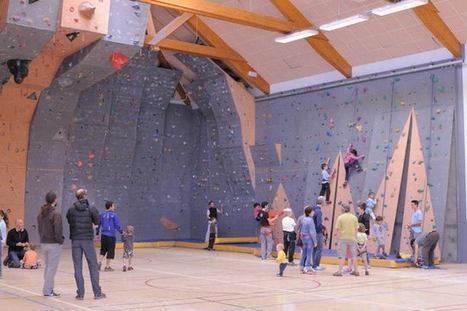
pixel 381 38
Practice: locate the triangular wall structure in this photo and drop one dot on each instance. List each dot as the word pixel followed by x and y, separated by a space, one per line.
pixel 340 196
pixel 417 189
pixel 280 202
pixel 389 188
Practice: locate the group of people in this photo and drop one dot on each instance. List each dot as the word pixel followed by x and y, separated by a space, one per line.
pixel 353 234
pixel 84 221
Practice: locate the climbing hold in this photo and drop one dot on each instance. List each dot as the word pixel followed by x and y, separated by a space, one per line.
pixel 118 60
pixel 86 9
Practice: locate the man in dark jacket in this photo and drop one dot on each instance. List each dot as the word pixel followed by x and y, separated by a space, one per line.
pixel 17 239
pixel 49 222
pixel 318 220
pixel 81 218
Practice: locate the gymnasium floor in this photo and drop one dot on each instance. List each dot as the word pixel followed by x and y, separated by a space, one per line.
pixel 187 279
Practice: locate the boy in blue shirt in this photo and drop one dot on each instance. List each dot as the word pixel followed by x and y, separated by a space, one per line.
pixel 325 187
pixel 109 225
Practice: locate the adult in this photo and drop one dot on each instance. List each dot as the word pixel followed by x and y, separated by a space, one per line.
pixel 347 228
pixel 3 234
pixel 81 218
pixel 17 239
pixel 49 222
pixel 318 221
pixel 212 213
pixel 265 232
pixel 109 224
pixel 288 229
pixel 307 233
pixel 415 225
pixel 364 218
pixel 427 243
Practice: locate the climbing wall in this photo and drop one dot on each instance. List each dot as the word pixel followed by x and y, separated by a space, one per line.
pixel 278 204
pixel 314 126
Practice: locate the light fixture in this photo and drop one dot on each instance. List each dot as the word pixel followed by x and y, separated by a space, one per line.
pixel 399 6
pixel 344 22
pixel 297 36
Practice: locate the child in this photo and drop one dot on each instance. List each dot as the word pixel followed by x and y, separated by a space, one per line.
pixel 281 259
pixel 325 187
pixel 212 233
pixel 127 239
pixel 378 231
pixel 30 258
pixel 351 159
pixel 371 205
pixel 362 240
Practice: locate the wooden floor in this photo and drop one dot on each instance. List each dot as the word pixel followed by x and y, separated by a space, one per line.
pixel 186 279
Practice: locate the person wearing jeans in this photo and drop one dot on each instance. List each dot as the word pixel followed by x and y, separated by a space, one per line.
pixel 50 227
pixel 81 218
pixel 17 239
pixel 308 237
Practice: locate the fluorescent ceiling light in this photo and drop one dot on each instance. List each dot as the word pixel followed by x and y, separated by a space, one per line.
pixel 341 23
pixel 297 36
pixel 399 6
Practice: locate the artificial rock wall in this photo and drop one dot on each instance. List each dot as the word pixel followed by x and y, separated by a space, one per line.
pixel 121 138
pixel 314 126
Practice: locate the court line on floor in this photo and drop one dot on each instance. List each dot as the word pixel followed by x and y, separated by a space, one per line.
pixel 31 300
pixel 49 298
pixel 278 289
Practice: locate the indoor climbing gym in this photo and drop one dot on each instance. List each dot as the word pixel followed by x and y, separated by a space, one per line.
pixel 233 155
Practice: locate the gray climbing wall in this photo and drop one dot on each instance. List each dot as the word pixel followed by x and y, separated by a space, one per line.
pixel 314 126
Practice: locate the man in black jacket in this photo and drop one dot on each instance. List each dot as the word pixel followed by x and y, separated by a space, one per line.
pixel 17 239
pixel 81 218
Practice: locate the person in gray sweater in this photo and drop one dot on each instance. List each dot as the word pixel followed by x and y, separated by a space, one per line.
pixel 81 218
pixel 50 226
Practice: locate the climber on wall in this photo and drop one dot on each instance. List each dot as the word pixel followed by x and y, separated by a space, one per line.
pixel 351 159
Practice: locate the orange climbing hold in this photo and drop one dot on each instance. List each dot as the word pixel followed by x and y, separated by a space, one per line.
pixel 118 60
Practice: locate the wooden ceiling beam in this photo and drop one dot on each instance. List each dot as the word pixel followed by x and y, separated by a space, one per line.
pixel 225 13
pixel 429 16
pixel 170 28
pixel 200 50
pixel 242 68
pixel 319 43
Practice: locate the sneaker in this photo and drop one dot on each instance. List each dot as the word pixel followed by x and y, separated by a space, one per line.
pixel 52 294
pixel 279 275
pixel 337 273
pixel 78 297
pixel 108 269
pixel 124 268
pixel 99 266
pixel 101 296
pixel 367 273
pixel 320 268
pixel 292 264
pixel 355 273
pixel 130 268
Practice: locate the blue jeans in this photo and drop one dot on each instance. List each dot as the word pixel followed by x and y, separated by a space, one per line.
pixel 317 250
pixel 307 253
pixel 15 258
pixel 86 247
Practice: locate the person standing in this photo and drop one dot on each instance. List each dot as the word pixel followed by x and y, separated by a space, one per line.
pixel 265 233
pixel 318 221
pixel 347 228
pixel 81 218
pixel 49 223
pixel 3 234
pixel 415 225
pixel 288 228
pixel 212 213
pixel 17 239
pixel 109 224
pixel 307 233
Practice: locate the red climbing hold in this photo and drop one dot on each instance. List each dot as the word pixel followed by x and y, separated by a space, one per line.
pixel 118 60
